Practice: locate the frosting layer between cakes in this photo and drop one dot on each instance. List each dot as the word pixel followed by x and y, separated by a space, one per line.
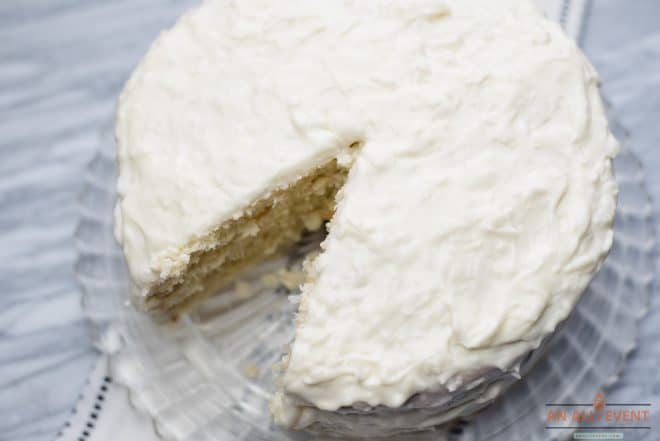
pixel 477 208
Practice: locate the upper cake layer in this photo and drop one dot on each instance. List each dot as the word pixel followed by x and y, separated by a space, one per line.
pixel 212 120
pixel 477 209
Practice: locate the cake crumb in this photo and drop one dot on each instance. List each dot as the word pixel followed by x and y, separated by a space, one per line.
pixel 291 279
pixel 270 280
pixel 244 290
pixel 251 371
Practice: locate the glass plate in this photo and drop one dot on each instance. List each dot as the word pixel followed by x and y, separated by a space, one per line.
pixel 209 376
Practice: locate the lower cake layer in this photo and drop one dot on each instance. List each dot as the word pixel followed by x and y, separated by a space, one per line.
pixel 267 225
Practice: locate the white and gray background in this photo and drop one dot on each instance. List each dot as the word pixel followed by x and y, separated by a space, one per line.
pixel 62 63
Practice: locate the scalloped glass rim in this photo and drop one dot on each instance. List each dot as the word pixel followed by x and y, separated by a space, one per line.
pixel 205 379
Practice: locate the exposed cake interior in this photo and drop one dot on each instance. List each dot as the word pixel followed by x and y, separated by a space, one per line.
pixel 270 223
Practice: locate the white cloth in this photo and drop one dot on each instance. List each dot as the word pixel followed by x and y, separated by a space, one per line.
pixel 104 412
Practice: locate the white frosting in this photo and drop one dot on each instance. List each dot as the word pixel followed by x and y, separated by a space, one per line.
pixel 476 211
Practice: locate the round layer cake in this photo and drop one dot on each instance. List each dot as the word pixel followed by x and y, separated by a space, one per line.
pixel 458 149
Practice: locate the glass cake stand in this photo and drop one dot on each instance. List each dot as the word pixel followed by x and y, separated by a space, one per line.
pixel 209 376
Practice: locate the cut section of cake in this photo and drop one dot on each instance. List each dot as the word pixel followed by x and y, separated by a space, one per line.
pixel 459 150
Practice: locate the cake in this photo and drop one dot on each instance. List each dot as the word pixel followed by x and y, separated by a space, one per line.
pixel 458 150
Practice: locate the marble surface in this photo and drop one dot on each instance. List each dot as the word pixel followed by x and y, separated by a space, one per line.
pixel 61 65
